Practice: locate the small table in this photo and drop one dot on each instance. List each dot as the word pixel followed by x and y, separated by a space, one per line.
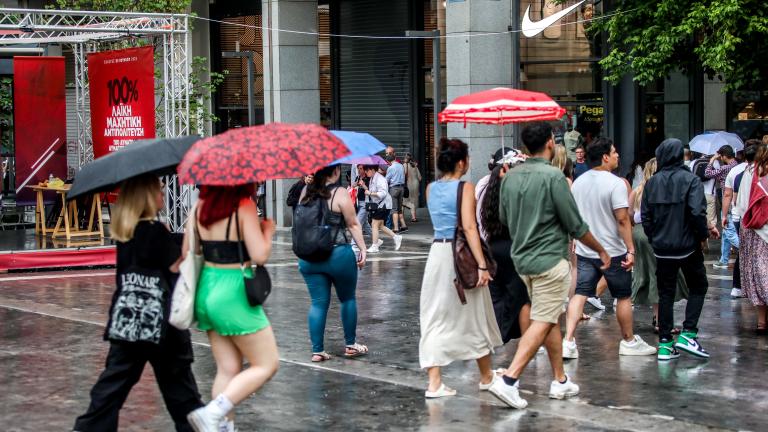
pixel 68 215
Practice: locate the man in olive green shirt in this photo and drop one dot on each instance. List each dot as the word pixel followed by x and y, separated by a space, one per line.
pixel 537 206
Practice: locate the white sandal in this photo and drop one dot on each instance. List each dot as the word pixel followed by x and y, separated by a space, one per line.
pixel 324 356
pixel 359 350
pixel 443 391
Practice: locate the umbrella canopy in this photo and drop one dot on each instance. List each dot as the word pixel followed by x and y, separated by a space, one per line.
pixel 710 142
pixel 156 156
pixel 502 106
pixel 260 153
pixel 367 160
pixel 360 145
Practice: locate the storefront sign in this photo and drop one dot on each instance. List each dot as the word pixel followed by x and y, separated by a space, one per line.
pixel 591 113
pixel 531 28
pixel 122 85
pixel 40 116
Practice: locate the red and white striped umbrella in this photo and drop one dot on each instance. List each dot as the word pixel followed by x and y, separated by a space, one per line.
pixel 501 106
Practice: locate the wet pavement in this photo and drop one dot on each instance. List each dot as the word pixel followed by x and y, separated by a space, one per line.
pixel 51 353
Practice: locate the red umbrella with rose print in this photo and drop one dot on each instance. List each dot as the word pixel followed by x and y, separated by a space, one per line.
pixel 260 153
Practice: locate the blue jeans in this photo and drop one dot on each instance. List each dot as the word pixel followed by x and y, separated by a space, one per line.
pixel 340 269
pixel 730 238
pixel 362 217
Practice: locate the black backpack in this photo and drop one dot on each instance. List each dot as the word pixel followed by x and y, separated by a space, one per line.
pixel 699 167
pixel 313 239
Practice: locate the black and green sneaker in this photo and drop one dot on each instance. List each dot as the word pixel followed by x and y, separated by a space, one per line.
pixel 667 351
pixel 688 342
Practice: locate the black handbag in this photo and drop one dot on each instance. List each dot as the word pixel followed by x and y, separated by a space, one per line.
pixel 139 306
pixel 258 286
pixel 406 192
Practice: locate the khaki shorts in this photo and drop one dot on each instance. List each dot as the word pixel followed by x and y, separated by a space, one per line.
pixel 548 292
pixel 711 211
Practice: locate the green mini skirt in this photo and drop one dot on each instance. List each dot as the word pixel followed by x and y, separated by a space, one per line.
pixel 222 306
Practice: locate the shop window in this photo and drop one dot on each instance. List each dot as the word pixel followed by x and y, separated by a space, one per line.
pixel 749 113
pixel 243 34
pixel 324 58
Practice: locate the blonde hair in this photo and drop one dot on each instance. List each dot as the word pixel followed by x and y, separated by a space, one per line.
pixel 560 157
pixel 137 201
pixel 648 171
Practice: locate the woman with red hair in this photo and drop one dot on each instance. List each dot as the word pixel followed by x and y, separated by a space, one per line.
pixel 227 221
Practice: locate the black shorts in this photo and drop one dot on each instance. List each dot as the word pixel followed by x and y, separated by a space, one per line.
pixel 588 274
pixel 380 214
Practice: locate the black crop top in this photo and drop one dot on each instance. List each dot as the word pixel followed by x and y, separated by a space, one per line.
pixel 224 251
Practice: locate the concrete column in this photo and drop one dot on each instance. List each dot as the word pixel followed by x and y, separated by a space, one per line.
pixel 476 63
pixel 291 79
pixel 715 103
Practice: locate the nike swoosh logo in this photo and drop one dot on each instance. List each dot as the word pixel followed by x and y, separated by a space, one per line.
pixel 531 29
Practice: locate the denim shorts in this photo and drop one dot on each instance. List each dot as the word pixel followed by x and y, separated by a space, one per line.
pixel 589 274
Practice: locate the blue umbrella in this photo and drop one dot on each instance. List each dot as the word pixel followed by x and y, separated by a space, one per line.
pixel 359 143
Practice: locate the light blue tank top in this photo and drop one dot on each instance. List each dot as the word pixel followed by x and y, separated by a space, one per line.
pixel 442 208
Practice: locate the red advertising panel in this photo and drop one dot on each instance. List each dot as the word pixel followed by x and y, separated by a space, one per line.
pixel 40 118
pixel 122 85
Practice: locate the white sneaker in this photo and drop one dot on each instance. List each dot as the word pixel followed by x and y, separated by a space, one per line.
pixel 570 351
pixel 558 390
pixel 202 421
pixel 486 387
pixel 737 293
pixel 595 301
pixel 719 265
pixel 398 241
pixel 379 242
pixel 373 249
pixel 227 425
pixel 637 347
pixel 509 394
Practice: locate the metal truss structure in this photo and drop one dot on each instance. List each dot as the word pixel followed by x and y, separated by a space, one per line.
pixel 87 32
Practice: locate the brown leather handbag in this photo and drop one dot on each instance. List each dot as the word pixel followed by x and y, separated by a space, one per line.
pixel 463 260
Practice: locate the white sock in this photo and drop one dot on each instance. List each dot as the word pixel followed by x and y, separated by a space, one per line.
pixel 219 407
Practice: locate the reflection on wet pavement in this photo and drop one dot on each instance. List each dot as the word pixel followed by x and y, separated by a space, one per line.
pixel 51 352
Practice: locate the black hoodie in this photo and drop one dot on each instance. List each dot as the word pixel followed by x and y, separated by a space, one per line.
pixel 674 210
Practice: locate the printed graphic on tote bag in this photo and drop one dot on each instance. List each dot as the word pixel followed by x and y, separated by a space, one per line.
pixel 138 312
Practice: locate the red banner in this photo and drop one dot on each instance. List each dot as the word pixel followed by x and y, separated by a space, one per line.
pixel 122 86
pixel 40 116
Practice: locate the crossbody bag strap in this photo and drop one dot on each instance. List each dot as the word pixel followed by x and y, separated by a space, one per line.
pixel 459 196
pixel 239 241
pixel 338 226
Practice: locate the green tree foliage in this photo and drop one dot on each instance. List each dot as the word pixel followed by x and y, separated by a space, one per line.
pixel 650 38
pixel 172 6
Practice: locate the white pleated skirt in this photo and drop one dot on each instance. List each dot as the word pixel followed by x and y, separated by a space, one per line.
pixel 451 331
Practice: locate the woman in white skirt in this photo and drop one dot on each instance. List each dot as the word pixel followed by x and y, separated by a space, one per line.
pixel 451 331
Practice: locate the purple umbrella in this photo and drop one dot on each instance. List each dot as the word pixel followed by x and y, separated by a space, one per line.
pixel 367 160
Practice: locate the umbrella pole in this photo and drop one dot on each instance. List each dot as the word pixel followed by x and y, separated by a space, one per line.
pixel 503 150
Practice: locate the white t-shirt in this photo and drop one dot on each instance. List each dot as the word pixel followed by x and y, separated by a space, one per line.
pixel 729 181
pixel 598 194
pixel 482 185
pixel 742 201
pixel 709 185
pixel 379 189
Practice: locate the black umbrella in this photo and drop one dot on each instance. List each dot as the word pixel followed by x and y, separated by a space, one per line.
pixel 156 156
